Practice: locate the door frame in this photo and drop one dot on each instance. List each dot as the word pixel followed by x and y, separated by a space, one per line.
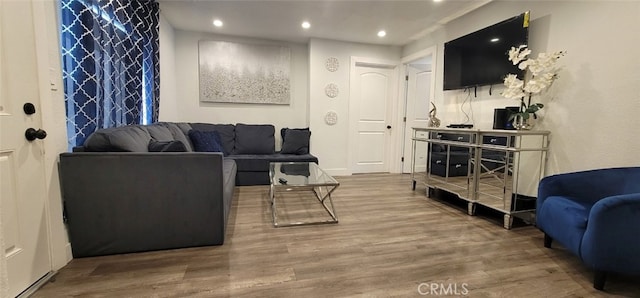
pixel 53 119
pixel 397 167
pixel 391 111
pixel 412 99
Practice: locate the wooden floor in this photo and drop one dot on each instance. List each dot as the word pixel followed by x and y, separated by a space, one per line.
pixel 390 241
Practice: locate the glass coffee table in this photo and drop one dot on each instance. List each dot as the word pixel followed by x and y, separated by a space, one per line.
pixel 301 181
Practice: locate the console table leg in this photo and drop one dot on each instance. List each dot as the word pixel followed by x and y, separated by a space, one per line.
pixel 471 208
pixel 508 221
pixel 413 187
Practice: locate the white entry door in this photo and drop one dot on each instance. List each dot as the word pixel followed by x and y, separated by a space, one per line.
pixel 417 113
pixel 372 92
pixel 25 257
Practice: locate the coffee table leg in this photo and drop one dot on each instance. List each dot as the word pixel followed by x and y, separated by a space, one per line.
pixel 322 199
pixel 272 196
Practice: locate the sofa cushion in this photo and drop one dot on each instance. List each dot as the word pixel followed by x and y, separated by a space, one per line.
pixel 252 178
pixel 254 139
pixel 296 141
pixel 178 134
pixel 227 134
pixel 130 138
pixel 251 162
pixel 160 133
pixel 167 146
pixel 260 162
pixel 205 141
pixel 184 127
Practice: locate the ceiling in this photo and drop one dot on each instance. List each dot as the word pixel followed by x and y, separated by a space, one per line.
pixel 354 21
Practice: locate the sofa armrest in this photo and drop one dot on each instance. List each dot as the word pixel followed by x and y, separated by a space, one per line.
pixel 119 202
pixel 611 239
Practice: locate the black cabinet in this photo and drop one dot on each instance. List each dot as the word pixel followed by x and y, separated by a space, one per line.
pixel 450 159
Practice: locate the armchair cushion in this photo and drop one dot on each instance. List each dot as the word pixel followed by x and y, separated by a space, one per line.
pixel 566 212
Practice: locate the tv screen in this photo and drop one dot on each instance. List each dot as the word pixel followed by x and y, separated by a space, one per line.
pixel 481 58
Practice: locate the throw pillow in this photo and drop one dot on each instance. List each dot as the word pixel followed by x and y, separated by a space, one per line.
pixel 283 131
pixel 206 141
pixel 296 142
pixel 167 146
pixel 227 133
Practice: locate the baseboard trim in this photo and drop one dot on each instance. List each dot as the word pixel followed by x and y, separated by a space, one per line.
pixel 338 171
pixel 37 285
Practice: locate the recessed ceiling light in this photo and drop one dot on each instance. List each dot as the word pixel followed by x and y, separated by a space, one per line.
pixel 382 33
pixel 495 39
pixel 437 0
pixel 306 25
pixel 217 23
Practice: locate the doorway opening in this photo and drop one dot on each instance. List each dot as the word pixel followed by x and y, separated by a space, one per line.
pixel 419 92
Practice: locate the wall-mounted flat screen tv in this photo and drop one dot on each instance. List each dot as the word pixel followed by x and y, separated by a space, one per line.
pixel 481 58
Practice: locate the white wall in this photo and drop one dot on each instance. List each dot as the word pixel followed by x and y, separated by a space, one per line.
pixel 188 108
pixel 168 94
pixel 592 109
pixel 330 143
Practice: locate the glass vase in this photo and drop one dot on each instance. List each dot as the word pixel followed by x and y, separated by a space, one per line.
pixel 520 123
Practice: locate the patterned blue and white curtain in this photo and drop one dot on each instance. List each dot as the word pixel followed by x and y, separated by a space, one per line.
pixel 110 60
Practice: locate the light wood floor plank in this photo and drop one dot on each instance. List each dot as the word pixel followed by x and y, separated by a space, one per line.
pixel 389 241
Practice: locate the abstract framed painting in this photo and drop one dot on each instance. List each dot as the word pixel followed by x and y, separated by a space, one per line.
pixel 244 73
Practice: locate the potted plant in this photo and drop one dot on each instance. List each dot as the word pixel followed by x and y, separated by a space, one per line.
pixel 542 71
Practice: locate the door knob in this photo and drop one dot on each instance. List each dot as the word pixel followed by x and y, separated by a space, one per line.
pixel 29 108
pixel 388 126
pixel 32 134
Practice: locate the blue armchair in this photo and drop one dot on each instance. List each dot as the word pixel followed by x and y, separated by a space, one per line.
pixel 595 215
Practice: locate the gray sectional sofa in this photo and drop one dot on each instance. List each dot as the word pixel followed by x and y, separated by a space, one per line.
pixel 253 148
pixel 120 197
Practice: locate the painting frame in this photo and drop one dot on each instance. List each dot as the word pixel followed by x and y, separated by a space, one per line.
pixel 246 73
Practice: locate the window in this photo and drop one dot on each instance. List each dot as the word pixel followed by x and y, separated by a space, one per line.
pixel 110 64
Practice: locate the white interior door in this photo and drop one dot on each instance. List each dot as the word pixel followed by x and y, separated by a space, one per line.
pixel 372 90
pixel 417 113
pixel 23 220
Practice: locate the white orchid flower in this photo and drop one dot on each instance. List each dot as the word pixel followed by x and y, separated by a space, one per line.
pixel 518 54
pixel 512 81
pixel 542 69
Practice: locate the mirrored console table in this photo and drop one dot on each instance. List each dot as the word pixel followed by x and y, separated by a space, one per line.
pixel 498 169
